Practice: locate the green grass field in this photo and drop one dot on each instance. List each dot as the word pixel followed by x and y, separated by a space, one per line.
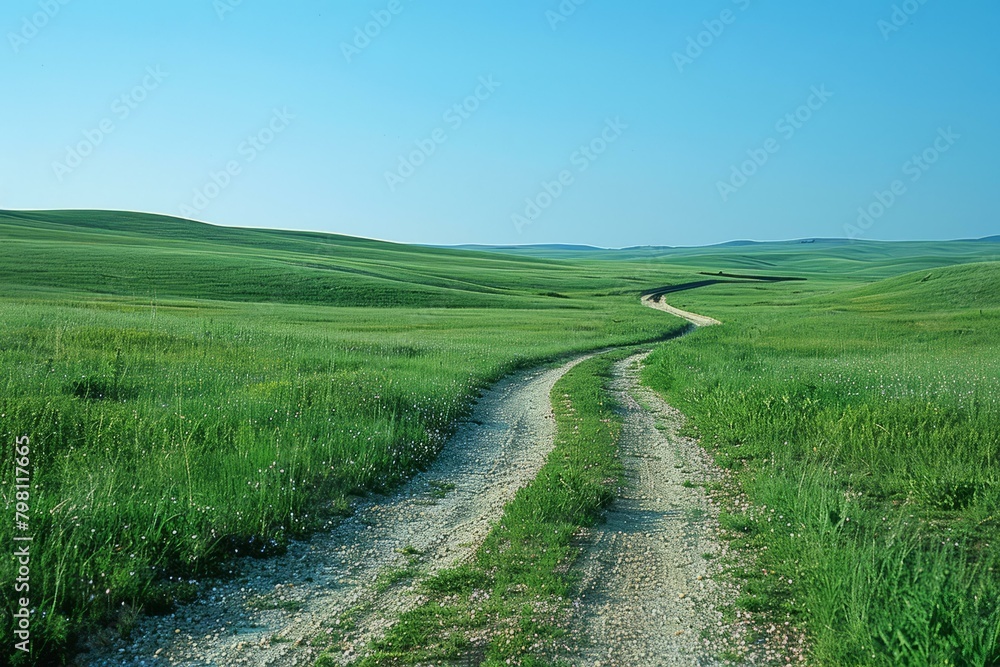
pixel 196 392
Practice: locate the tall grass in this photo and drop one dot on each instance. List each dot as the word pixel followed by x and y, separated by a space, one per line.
pixel 866 439
pixel 166 441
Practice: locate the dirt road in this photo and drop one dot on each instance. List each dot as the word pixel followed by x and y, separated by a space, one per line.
pixel 647 590
pixel 345 586
pixel 693 318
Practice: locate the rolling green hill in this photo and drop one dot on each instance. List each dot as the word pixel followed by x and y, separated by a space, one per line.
pixel 946 289
pixel 148 256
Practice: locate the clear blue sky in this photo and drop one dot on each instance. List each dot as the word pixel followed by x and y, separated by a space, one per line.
pixel 608 76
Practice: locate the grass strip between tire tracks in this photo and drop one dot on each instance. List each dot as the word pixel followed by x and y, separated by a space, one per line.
pixel 509 604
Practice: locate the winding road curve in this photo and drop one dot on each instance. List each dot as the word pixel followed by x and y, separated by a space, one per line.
pixel 694 318
pixel 348 585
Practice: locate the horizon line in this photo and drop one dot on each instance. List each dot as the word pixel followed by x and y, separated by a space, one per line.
pixel 803 240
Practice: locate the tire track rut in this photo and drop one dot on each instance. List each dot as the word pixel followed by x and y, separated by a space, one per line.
pixel 647 591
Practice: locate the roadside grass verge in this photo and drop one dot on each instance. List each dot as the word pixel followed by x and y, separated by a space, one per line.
pixel 509 605
pixel 864 438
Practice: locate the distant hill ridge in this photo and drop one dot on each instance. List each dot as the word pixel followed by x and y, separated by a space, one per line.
pixel 154 256
pixel 725 244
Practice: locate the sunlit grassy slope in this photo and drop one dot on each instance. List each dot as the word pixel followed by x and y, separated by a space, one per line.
pixel 945 290
pixel 148 256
